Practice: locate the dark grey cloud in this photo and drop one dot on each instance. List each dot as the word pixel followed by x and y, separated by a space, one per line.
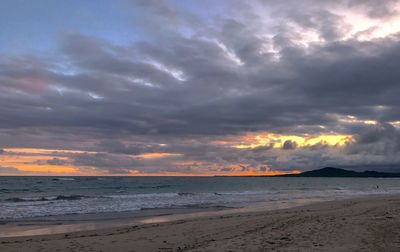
pixel 8 170
pixel 289 145
pixel 56 161
pixel 115 146
pixel 382 140
pixel 328 25
pixel 226 169
pixel 107 162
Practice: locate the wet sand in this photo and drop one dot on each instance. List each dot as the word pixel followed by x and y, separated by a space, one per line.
pixel 347 225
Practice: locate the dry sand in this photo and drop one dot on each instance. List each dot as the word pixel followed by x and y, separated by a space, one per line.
pixel 347 225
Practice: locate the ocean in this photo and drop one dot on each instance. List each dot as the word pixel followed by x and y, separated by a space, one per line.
pixel 25 197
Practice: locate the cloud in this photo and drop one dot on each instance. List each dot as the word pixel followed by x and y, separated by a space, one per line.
pixel 376 9
pixel 115 146
pixel 289 145
pixel 56 161
pixel 382 140
pixel 107 162
pixel 158 8
pixel 10 170
pixel 270 68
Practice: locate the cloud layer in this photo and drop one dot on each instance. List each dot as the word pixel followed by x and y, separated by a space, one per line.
pixel 194 84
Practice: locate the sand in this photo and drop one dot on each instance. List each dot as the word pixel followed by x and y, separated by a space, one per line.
pixel 347 225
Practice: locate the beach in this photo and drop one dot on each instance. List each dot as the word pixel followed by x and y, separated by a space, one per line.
pixel 173 125
pixel 363 224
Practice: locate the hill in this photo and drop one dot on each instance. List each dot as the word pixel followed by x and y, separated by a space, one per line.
pixel 337 172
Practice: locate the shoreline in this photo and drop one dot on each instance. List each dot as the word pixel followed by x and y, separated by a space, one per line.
pixel 72 223
pixel 368 223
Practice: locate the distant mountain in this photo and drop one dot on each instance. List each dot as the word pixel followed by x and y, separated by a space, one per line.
pixel 337 172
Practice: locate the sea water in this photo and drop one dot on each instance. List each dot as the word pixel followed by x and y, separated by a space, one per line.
pixel 22 197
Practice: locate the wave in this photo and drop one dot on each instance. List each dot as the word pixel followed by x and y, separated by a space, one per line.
pixel 112 187
pixel 186 194
pixel 63 179
pixel 142 195
pixel 16 199
pixel 244 193
pixel 5 190
pixel 72 197
pixel 59 197
pixel 119 196
pixel 153 187
pixel 189 206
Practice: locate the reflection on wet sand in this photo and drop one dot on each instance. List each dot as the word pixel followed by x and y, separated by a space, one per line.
pixel 79 223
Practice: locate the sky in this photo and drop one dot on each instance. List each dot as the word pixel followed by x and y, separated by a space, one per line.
pixel 184 87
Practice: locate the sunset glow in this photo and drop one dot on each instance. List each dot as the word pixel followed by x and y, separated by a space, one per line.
pixel 251 141
pixel 41 162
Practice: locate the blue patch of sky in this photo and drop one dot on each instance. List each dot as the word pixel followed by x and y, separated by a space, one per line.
pixel 34 27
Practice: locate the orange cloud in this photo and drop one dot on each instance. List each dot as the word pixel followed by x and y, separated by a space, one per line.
pixel 268 173
pixel 32 163
pixel 156 155
pixel 46 168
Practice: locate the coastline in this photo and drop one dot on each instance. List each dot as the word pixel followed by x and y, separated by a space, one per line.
pixel 70 223
pixel 368 224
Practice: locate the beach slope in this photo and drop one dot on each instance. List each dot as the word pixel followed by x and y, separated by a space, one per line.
pixel 347 225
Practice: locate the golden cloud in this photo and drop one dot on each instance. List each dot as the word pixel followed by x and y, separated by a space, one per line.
pixel 277 141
